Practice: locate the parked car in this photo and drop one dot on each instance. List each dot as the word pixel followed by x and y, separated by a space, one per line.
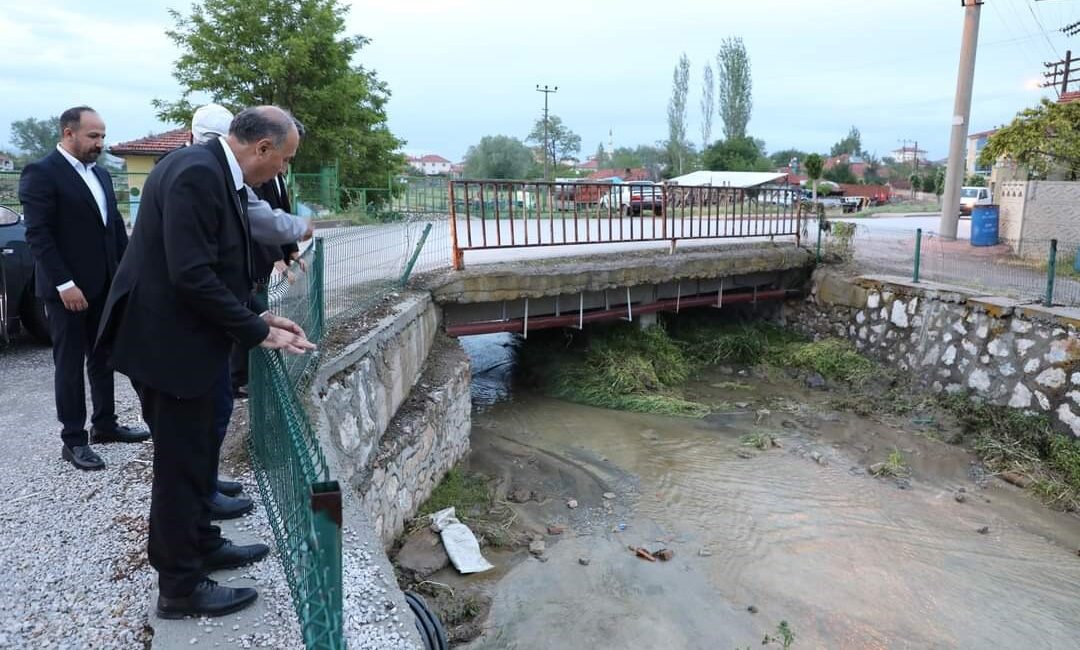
pixel 19 307
pixel 971 196
pixel 631 198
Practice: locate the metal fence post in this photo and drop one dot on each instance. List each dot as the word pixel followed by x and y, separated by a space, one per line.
pixel 1051 272
pixel 326 522
pixel 918 255
pixel 318 280
pixel 415 255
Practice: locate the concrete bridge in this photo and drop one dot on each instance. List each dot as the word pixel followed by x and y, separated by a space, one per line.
pixel 572 292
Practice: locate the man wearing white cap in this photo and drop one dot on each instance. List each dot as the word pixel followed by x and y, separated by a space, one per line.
pixel 268 226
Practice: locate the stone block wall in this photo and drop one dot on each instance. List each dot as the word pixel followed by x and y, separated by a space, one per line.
pixel 393 411
pixel 427 437
pixel 952 340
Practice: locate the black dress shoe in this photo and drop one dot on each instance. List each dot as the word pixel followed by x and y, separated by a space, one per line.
pixel 223 507
pixel 208 599
pixel 83 457
pixel 229 488
pixel 233 556
pixel 119 434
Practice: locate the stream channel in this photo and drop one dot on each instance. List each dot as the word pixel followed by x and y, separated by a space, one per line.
pixel 949 557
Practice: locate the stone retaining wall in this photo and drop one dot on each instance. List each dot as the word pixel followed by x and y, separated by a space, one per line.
pixel 394 410
pixel 953 340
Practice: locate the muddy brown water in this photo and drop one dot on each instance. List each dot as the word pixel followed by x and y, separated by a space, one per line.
pixel 800 532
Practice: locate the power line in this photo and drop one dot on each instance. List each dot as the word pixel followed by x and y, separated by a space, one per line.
pixel 1038 22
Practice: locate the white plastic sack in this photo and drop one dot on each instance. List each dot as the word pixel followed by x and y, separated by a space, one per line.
pixel 459 541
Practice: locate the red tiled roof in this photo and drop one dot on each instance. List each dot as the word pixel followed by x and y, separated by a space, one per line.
pixel 1068 97
pixel 153 145
pixel 432 158
pixel 974 136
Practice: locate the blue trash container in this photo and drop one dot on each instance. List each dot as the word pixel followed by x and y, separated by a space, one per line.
pixel 984 225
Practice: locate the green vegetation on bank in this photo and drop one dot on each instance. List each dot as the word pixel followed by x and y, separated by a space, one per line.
pixel 617 366
pixel 767 344
pixel 1009 440
pixel 625 368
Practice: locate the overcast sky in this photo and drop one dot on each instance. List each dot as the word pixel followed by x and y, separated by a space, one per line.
pixel 462 69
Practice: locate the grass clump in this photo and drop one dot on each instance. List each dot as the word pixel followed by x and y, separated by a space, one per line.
pixel 469 493
pixel 763 343
pixel 1007 439
pixel 894 466
pixel 758 440
pixel 618 367
pixel 831 358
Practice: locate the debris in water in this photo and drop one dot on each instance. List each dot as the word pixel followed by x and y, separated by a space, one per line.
pixel 642 553
pixel 520 496
pixel 984 530
pixel 609 495
pixel 584 561
pixel 752 609
pixel 707 553
pixel 1016 478
pixel 572 503
pixel 556 529
pixel 960 497
pixel 664 554
pixel 537 547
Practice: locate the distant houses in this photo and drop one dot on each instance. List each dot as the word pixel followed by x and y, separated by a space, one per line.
pixel 6 163
pixel 431 164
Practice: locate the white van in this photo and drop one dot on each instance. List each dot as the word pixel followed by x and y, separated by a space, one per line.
pixel 971 196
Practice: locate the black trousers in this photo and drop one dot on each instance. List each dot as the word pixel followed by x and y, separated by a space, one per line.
pixel 73 335
pixel 186 448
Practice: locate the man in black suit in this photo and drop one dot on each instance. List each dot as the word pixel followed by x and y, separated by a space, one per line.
pixel 178 303
pixel 77 237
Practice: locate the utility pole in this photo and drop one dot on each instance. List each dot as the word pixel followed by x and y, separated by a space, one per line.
pixel 547 91
pixel 954 172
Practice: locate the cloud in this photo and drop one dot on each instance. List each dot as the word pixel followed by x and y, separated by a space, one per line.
pixel 79 56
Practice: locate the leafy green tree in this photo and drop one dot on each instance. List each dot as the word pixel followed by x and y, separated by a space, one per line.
pixel 813 166
pixel 293 53
pixel 498 156
pixel 736 155
pixel 735 87
pixel 561 142
pixel 916 183
pixel 850 144
pixel 783 157
pixel 34 137
pixel 841 173
pixel 1045 139
pixel 646 156
pixel 975 180
pixel 676 143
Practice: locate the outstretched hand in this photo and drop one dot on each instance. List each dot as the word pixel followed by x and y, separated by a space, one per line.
pixel 285 335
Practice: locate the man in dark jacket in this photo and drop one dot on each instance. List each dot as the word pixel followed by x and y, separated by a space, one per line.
pixel 177 305
pixel 77 237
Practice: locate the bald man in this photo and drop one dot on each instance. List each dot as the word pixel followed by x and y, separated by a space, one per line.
pixel 178 304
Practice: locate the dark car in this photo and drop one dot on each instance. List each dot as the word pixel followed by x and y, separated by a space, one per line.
pixel 19 307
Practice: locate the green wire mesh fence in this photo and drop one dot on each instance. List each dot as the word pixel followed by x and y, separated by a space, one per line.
pixel 345 272
pixel 1032 270
pixel 302 503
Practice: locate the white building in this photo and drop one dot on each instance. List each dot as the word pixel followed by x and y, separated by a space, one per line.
pixel 430 164
pixel 6 164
